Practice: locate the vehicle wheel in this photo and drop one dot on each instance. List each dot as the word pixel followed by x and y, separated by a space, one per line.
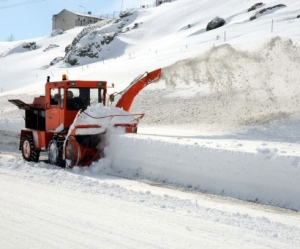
pixel 72 152
pixel 29 153
pixel 55 151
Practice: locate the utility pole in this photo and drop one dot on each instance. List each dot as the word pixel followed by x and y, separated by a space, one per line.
pixel 272 26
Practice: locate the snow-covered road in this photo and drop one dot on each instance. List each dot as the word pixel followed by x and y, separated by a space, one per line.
pixel 48 207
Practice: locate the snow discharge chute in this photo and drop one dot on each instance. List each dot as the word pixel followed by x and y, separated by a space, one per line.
pixel 135 87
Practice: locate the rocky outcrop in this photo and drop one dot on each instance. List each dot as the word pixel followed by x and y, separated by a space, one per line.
pixel 125 14
pixel 267 10
pixel 215 23
pixel 255 6
pixel 90 47
pixel 30 46
pixel 50 46
pixel 95 42
pixel 56 60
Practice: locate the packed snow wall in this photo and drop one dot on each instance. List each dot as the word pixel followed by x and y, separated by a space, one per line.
pixel 263 174
pixel 235 86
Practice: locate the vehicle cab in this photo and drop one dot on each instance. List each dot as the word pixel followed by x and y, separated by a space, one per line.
pixel 65 98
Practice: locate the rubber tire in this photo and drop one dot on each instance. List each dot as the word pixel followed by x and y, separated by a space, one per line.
pixel 29 153
pixel 57 157
pixel 72 152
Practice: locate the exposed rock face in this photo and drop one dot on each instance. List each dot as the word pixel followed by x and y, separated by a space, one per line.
pixel 95 41
pixel 298 16
pixel 30 45
pixel 56 60
pixel 255 6
pixel 88 43
pixel 51 46
pixel 215 23
pixel 71 61
pixel 267 10
pixel 125 14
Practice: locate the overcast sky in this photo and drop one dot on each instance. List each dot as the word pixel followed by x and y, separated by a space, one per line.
pixel 26 19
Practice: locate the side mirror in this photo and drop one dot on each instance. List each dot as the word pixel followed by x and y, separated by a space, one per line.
pixel 112 98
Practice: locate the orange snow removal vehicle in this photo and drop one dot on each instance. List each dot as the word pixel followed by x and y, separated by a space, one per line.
pixel 50 126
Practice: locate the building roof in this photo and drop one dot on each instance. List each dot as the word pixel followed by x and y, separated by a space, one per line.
pixel 82 14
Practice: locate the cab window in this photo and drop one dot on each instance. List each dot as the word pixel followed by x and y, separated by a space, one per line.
pixel 54 93
pixel 81 98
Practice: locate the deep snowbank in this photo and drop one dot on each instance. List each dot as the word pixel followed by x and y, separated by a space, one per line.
pixel 262 172
pixel 240 88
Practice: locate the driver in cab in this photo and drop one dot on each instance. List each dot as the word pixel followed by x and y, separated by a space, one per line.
pixel 71 102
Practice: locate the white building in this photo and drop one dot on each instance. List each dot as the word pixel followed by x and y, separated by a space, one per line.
pixel 66 19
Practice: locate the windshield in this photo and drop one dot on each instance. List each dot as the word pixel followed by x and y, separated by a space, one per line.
pixel 81 98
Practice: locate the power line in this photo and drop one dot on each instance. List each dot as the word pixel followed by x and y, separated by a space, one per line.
pixel 20 4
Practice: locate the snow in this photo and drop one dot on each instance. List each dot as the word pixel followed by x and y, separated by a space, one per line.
pixel 105 116
pixel 215 162
pixel 205 164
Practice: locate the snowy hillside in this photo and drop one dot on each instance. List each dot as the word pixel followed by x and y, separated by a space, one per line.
pixel 223 120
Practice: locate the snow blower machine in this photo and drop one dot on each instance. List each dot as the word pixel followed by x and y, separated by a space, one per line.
pixel 52 122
